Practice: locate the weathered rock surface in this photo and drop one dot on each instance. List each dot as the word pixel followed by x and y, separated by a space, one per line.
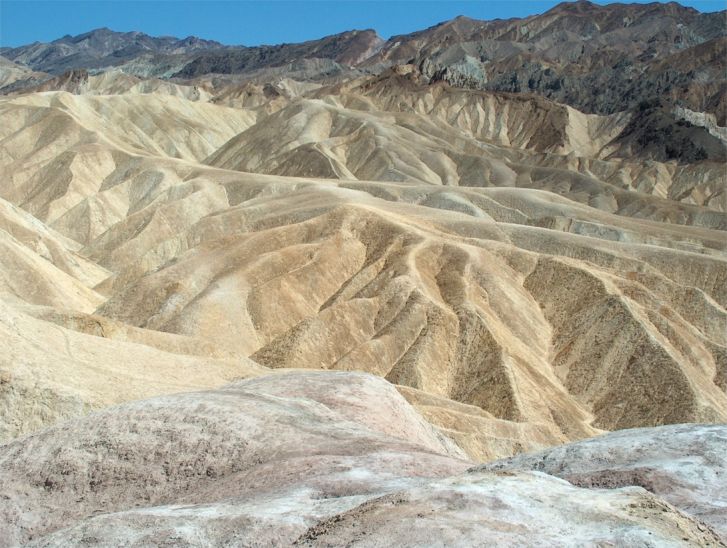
pixel 294 441
pixel 306 458
pixel 684 464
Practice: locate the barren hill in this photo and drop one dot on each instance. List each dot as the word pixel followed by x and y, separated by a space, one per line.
pixel 489 292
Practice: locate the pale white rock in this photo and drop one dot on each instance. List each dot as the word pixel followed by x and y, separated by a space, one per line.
pixel 684 464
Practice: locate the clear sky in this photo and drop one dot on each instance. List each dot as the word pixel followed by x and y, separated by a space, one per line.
pixel 252 23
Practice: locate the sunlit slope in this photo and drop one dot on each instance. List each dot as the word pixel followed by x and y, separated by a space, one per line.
pixel 392 129
pixel 518 297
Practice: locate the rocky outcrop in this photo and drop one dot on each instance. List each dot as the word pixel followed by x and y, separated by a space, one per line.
pixel 600 59
pixel 305 458
pixel 685 464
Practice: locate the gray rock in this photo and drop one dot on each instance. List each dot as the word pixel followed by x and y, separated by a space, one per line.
pixel 685 464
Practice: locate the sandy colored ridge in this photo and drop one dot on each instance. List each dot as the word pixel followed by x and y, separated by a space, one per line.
pixel 550 313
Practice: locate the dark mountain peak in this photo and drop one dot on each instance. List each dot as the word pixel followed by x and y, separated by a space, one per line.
pixel 463 19
pixel 579 6
pixel 195 43
pixel 670 7
pixel 571 49
pixel 585 7
pixel 347 48
pixel 103 32
pixel 100 31
pixel 191 40
pixel 460 22
pixel 353 35
pixel 103 47
pixel 580 53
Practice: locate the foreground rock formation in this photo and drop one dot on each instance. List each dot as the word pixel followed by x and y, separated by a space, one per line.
pixel 313 459
pixel 683 464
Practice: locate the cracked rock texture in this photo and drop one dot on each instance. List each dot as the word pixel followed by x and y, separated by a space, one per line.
pixel 684 464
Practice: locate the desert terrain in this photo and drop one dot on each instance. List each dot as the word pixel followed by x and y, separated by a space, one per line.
pixel 443 289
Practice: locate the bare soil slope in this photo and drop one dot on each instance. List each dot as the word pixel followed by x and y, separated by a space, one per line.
pixel 558 304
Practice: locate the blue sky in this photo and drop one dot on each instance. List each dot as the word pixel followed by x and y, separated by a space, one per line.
pixel 251 23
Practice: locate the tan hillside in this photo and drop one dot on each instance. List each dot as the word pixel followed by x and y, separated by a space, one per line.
pixel 393 128
pixel 531 305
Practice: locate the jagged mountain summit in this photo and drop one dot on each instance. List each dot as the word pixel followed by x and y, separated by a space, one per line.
pixel 600 59
pixel 139 54
pixel 101 48
pixel 467 283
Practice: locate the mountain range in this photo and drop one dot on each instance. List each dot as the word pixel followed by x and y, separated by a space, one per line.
pixel 599 59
